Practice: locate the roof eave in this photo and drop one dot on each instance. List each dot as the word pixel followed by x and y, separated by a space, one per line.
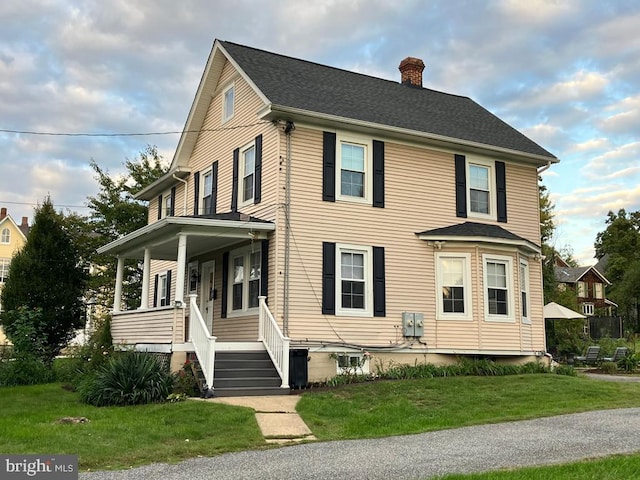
pixel 524 244
pixel 163 183
pixel 276 112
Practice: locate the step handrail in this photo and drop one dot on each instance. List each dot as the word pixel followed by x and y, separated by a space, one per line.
pixel 275 342
pixel 203 342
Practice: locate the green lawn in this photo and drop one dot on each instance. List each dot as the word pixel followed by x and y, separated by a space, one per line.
pixel 386 408
pixel 618 467
pixel 118 437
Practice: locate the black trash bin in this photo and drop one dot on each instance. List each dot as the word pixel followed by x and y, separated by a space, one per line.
pixel 298 371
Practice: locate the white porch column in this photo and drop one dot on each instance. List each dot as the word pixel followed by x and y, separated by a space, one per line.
pixel 146 272
pixel 180 268
pixel 117 298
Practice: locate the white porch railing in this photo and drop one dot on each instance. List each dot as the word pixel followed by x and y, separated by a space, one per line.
pixel 204 343
pixel 274 341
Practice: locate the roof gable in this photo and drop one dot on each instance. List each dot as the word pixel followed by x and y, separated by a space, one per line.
pixel 575 274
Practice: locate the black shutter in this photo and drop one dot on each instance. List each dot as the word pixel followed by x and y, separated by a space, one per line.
pixel 328 278
pixel 264 267
pixel 214 188
pixel 173 202
pixel 379 300
pixel 234 185
pixel 159 207
pixel 328 166
pixel 196 193
pixel 155 292
pixel 501 192
pixel 378 174
pixel 257 196
pixel 167 300
pixel 225 284
pixel 461 186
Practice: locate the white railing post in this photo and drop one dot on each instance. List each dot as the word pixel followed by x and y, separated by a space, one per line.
pixel 204 343
pixel 275 342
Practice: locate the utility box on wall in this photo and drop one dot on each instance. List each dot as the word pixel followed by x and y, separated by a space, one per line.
pixel 412 324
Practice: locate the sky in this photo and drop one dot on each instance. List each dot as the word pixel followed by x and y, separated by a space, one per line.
pixel 566 73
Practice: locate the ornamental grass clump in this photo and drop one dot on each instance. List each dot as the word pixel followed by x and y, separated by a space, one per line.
pixel 129 378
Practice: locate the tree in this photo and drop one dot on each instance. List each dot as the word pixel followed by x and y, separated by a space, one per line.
pixel 115 213
pixel 620 242
pixel 547 229
pixel 45 275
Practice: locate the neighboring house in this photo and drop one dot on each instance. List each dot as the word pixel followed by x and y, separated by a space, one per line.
pixel 12 239
pixel 589 285
pixel 309 207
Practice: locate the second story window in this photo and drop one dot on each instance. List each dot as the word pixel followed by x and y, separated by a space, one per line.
pixel 168 205
pixel 207 193
pixel 598 290
pixel 582 290
pixel 247 173
pixel 228 97
pixel 352 171
pixel 5 237
pixel 479 189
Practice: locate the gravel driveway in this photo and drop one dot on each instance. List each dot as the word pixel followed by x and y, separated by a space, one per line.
pixel 560 439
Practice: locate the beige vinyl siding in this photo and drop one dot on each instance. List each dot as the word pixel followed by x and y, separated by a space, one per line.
pixel 419 195
pixel 152 326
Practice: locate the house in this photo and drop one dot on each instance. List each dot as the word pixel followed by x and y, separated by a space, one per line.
pixel 12 239
pixel 316 210
pixel 588 283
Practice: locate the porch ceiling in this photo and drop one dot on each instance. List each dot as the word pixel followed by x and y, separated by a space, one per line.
pixel 203 235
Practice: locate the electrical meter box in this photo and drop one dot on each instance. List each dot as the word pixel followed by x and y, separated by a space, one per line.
pixel 412 324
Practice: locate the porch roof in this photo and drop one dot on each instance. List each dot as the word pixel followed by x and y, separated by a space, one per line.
pixel 204 234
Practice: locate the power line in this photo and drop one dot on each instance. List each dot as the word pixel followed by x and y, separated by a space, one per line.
pixel 33 204
pixel 141 134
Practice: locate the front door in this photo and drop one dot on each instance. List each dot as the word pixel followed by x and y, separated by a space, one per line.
pixel 207 293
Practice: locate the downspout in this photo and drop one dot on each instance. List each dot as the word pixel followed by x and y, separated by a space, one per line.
pixel 184 210
pixel 287 230
pixel 546 167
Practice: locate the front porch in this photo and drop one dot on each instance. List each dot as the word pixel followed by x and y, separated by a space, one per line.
pixel 191 297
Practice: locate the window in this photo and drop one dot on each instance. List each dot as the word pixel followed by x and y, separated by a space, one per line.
pixel 4 269
pixel 481 189
pixel 453 286
pixel 228 97
pixel 587 308
pixel 163 289
pixel 207 193
pixel 524 291
pixel 247 173
pixel 5 237
pixel 354 292
pixel 498 290
pixel 245 272
pixel 354 167
pixel 582 289
pixel 598 290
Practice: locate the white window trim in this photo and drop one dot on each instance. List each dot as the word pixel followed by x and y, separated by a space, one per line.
pixel 367 251
pixel 491 165
pixel 166 195
pixel 163 276
pixel 510 317
pixel 367 143
pixel 203 192
pixel 241 175
pixel 582 289
pixel 598 290
pixel 244 252
pixel 526 290
pixel 588 309
pixel 468 307
pixel 4 262
pixel 225 116
pixel 2 240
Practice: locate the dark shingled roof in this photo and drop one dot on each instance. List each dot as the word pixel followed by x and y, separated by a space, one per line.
pixel 473 229
pixel 290 82
pixel 569 274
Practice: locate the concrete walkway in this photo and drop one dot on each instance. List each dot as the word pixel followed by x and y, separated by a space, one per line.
pixel 276 416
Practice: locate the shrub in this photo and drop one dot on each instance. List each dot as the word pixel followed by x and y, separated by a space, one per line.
pixel 24 369
pixel 609 367
pixel 629 363
pixel 185 383
pixel 567 370
pixel 129 378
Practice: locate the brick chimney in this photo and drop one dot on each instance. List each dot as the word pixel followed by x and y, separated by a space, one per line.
pixel 411 71
pixel 3 213
pixel 24 226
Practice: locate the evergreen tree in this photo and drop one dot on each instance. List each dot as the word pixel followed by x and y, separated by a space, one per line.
pixel 46 276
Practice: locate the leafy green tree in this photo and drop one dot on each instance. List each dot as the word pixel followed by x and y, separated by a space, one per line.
pixel 115 213
pixel 45 275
